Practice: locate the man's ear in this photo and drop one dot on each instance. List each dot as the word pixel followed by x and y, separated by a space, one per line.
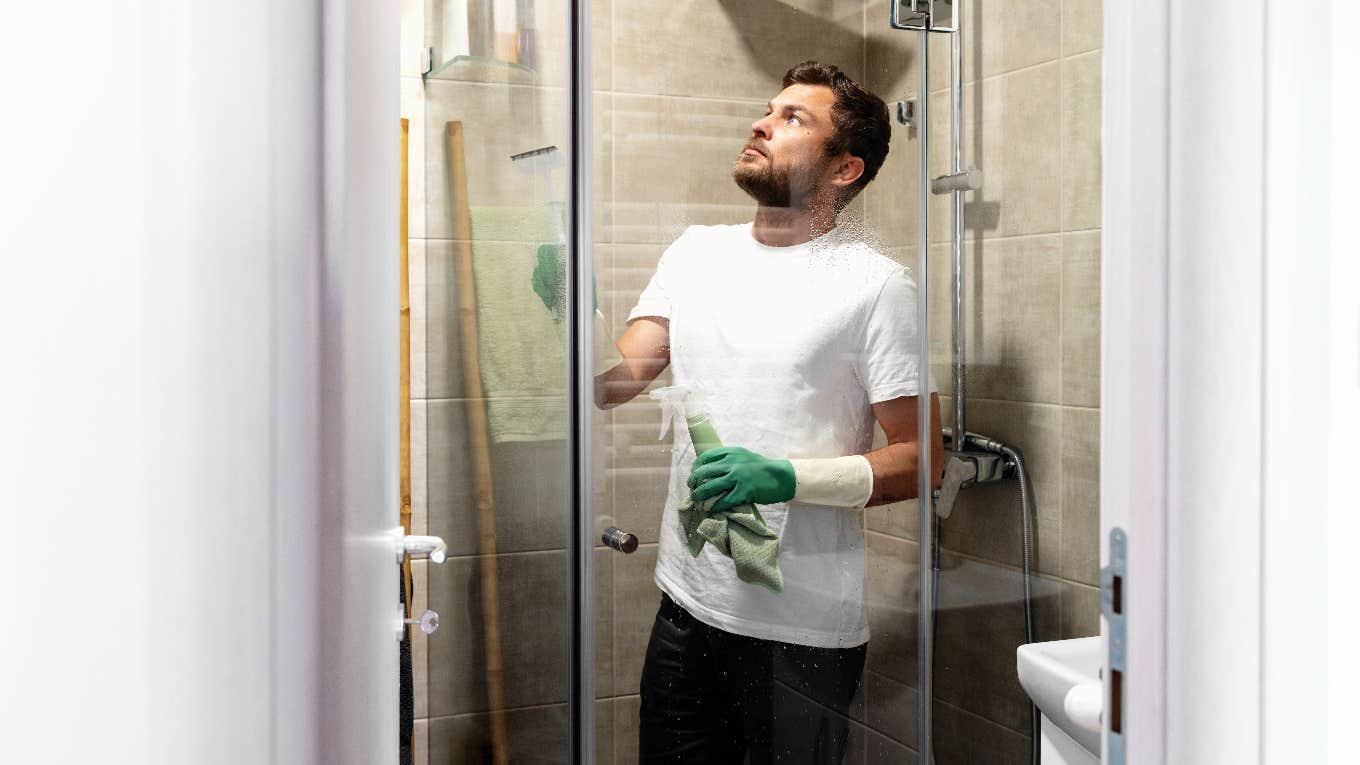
pixel 848 170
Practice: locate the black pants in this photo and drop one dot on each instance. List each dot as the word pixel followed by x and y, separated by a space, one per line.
pixel 710 696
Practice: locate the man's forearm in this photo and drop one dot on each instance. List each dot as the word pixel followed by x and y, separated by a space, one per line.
pixel 624 381
pixel 895 473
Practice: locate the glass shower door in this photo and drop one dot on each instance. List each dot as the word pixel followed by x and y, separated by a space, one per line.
pixel 675 94
pixel 498 446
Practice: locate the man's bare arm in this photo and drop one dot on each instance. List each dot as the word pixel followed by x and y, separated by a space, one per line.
pixel 646 351
pixel 895 465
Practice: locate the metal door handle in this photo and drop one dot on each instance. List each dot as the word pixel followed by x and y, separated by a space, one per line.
pixel 619 539
pixel 431 547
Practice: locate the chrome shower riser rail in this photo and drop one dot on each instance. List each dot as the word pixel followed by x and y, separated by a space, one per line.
pixel 926 512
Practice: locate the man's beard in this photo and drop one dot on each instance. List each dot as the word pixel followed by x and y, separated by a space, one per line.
pixel 774 187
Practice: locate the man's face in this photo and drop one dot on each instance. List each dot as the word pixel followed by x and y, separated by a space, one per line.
pixel 784 162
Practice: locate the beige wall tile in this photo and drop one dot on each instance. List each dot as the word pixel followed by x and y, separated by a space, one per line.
pixel 631 268
pixel 999 36
pixel 1081 495
pixel 1082 26
pixel 533 631
pixel 961 736
pixel 1081 319
pixel 530 486
pixel 419 466
pixel 890 212
pixel 499 121
pixel 890 55
pixel 421 750
pixel 641 470
pixel 898 519
pixel 1008 132
pixel 1081 142
pixel 673 165
pixel 1012 309
pixel 891 708
pixel 891 596
pixel 1080 611
pixel 979 624
pixel 443 338
pixel 412 36
pixel 626 711
pixel 413 109
pixel 636 599
pixel 605 560
pixel 532 734
pixel 534 627
pixel 724 48
pixel 416 286
pixel 986 522
pixel 604 730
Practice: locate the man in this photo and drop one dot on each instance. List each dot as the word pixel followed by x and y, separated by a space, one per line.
pixel 797 337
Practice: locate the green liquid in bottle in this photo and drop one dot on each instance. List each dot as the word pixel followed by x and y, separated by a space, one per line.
pixel 703 435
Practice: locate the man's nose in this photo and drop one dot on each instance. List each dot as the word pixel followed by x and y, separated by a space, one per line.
pixel 760 128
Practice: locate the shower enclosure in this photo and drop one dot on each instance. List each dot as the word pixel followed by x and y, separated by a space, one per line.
pixel 576 141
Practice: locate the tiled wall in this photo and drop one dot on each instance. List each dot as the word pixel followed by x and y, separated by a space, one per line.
pixel 676 87
pixel 1031 122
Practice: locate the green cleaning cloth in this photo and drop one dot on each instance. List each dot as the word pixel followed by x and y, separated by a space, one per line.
pixel 740 534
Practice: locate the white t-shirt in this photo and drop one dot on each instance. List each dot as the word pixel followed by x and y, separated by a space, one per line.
pixel 787 348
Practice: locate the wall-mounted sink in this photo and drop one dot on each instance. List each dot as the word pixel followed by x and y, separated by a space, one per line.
pixel 1063 679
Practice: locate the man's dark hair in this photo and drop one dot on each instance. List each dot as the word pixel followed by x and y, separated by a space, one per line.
pixel 859 118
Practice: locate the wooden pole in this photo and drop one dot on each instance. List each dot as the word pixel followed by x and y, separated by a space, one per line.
pixel 405 385
pixel 405 353
pixel 479 440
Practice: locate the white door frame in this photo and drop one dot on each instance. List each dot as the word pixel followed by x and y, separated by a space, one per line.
pixel 1217 418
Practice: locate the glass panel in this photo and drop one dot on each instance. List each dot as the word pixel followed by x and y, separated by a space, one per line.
pixel 496 156
pixel 784 345
pixel 781 334
pixel 1029 335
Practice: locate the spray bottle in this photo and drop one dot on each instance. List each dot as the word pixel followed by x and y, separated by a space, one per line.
pixel 678 403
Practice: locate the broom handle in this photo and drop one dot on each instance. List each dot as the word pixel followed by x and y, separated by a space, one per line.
pixel 480 443
pixel 405 386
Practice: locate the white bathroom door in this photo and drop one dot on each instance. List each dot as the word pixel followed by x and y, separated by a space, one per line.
pixel 359 615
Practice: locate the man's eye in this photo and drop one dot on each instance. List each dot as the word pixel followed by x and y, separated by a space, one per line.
pixel 795 121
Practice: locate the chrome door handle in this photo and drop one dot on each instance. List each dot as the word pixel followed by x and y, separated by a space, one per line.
pixel 619 539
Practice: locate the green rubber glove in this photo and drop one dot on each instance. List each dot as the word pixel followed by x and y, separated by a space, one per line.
pixel 550 280
pixel 742 477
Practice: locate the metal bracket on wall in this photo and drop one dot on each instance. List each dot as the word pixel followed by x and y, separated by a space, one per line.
pixel 1114 593
pixel 906 112
pixel 924 15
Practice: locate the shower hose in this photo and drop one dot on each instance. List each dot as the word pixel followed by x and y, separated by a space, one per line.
pixel 1026 559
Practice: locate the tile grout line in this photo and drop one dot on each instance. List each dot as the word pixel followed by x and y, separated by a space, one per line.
pixel 989 561
pixel 1019 70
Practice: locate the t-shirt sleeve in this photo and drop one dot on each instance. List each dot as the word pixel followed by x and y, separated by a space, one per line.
pixel 656 297
pixel 887 364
